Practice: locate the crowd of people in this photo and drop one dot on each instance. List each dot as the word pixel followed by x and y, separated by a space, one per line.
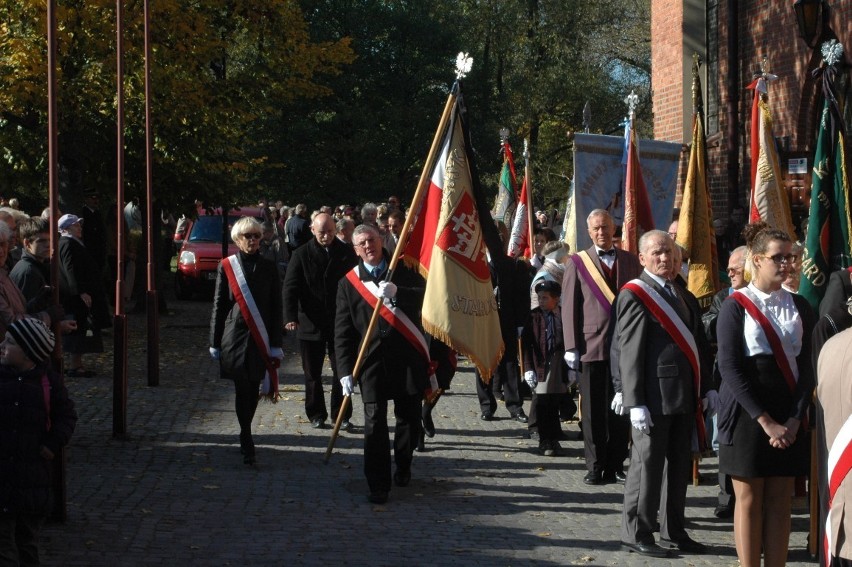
pixel 659 378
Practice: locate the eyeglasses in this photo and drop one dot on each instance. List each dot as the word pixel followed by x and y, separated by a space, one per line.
pixel 251 236
pixel 782 259
pixel 735 271
pixel 363 243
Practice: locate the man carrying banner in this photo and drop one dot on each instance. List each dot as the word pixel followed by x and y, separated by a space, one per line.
pixel 660 374
pixel 396 365
pixel 592 278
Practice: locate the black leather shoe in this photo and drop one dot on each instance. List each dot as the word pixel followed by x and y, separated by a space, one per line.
pixel 428 424
pixel 421 443
pixel 317 423
pixel 687 545
pixel 724 512
pixel 402 478
pixel 522 417
pixel 593 478
pixel 620 477
pixel 649 549
pixel 378 497
pixel 486 417
pixel 346 425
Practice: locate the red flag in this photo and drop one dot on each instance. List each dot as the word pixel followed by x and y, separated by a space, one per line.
pixel 637 208
pixel 519 239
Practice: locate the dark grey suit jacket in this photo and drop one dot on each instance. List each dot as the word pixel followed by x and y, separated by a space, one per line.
pixel 654 371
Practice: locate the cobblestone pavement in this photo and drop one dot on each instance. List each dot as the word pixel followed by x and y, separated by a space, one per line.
pixel 175 491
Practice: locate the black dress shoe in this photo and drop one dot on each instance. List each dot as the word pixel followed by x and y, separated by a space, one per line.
pixel 593 478
pixel 317 423
pixel 428 424
pixel 614 477
pixel 402 478
pixel 378 497
pixel 620 477
pixel 724 512
pixel 687 545
pixel 649 549
pixel 521 416
pixel 421 443
pixel 486 416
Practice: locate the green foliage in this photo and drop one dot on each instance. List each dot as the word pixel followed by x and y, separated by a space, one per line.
pixel 321 101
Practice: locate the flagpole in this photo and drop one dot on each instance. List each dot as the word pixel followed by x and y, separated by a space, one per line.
pixel 422 186
pixel 530 241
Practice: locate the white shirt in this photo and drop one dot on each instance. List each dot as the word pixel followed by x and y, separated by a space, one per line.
pixel 608 260
pixel 779 308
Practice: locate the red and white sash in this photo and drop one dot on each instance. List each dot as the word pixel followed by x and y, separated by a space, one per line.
pixel 680 334
pixel 839 465
pixel 395 317
pixel 251 314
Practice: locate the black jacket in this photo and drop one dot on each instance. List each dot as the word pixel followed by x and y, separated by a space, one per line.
pixel 310 287
pixel 239 356
pixel 78 273
pixel 24 474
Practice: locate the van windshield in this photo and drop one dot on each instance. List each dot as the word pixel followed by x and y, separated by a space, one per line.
pixel 209 228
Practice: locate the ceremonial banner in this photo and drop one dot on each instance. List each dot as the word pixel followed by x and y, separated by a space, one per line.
pixel 637 208
pixel 519 238
pixel 447 246
pixel 769 200
pixel 599 182
pixel 827 244
pixel 695 223
pixel 504 204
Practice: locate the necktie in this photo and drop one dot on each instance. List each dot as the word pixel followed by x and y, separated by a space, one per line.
pixel 550 332
pixel 376 273
pixel 610 252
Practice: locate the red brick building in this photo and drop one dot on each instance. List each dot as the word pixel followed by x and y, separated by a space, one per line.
pixel 733 37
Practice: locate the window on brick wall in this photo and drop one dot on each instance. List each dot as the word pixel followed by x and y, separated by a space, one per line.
pixel 711 98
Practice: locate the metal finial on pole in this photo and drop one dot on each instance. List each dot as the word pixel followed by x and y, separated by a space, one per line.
pixel 587 117
pixel 696 83
pixel 463 64
pixel 632 101
pixel 504 135
pixel 526 149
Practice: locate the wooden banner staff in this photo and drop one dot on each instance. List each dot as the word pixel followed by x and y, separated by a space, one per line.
pixel 419 194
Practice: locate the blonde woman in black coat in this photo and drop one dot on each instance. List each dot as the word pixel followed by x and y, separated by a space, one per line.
pixel 243 357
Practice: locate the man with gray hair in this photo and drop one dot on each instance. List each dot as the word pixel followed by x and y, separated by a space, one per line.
pixel 298 227
pixel 369 212
pixel 345 228
pixel 591 282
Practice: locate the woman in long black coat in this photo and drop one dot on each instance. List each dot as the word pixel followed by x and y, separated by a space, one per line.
pixel 231 340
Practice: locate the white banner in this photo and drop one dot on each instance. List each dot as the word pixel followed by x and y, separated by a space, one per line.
pixel 599 182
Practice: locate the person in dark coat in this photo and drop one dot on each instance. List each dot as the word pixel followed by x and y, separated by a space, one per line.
pixel 298 227
pixel 511 280
pixel 837 290
pixel 81 293
pixel 763 443
pixel 231 341
pixel 94 228
pixel 546 370
pixel 33 431
pixel 32 272
pixel 394 369
pixel 310 294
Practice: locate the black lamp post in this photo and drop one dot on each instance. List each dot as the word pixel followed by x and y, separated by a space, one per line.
pixel 812 17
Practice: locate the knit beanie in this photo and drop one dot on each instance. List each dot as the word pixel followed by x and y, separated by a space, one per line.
pixel 34 337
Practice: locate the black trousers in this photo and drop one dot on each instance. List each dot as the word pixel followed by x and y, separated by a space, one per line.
pixel 509 375
pixel 313 355
pixel 377 459
pixel 245 403
pixel 605 434
pixel 19 539
pixel 546 409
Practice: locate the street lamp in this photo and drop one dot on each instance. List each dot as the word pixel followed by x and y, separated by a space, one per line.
pixel 812 17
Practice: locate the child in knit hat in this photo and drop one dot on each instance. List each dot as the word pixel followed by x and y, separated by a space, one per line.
pixel 37 419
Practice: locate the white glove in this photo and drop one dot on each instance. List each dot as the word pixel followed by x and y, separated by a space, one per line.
pixel 711 402
pixel 572 360
pixel 276 352
pixel 347 385
pixel 640 419
pixel 617 404
pixel 387 290
pixel 214 353
pixel 520 332
pixel 530 378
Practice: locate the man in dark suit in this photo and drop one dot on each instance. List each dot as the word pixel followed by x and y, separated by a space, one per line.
pixel 310 292
pixel 393 369
pixel 837 291
pixel 659 389
pixel 586 310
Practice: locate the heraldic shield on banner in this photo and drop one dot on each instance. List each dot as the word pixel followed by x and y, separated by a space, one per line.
pixel 447 246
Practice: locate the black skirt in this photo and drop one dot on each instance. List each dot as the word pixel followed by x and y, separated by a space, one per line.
pixel 750 455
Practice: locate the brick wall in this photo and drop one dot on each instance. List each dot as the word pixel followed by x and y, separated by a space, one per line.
pixel 767 28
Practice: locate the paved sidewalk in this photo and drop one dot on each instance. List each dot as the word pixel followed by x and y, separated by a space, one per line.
pixel 176 492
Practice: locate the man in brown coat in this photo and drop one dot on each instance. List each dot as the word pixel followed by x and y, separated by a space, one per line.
pixel 592 279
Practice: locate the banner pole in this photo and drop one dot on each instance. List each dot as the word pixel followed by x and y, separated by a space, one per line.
pixel 419 194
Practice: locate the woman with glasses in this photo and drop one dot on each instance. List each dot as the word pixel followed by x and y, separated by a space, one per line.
pixel 246 325
pixel 764 335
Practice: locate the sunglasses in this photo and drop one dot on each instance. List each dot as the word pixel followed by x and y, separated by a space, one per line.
pixel 782 259
pixel 251 236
